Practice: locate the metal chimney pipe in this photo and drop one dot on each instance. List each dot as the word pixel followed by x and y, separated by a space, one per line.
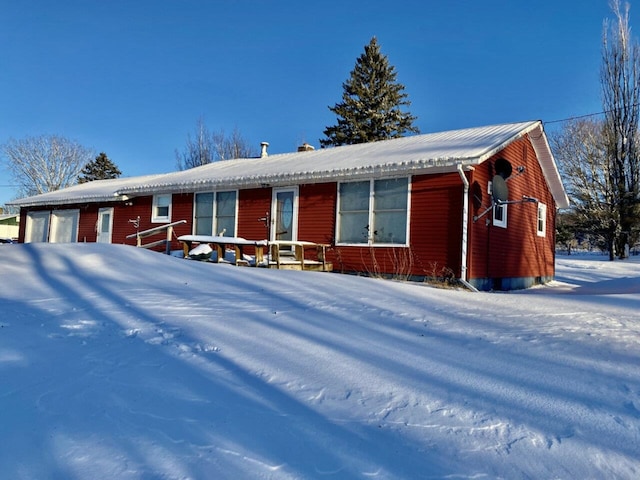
pixel 263 151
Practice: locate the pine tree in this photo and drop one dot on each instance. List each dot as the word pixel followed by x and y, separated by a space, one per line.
pixel 99 169
pixel 370 107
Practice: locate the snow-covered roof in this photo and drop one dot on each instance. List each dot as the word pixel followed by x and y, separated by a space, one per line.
pixel 428 153
pixel 96 191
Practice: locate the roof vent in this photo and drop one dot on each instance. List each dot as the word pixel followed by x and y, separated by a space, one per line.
pixel 263 149
pixel 305 147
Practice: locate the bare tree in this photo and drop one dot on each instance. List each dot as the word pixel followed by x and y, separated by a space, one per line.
pixel 44 163
pixel 206 147
pixel 620 81
pixel 235 146
pixel 580 149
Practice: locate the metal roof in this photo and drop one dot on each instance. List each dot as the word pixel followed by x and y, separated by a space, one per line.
pixel 428 153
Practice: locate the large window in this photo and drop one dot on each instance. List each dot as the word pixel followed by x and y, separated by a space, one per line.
pixel 373 212
pixel 215 214
pixel 161 210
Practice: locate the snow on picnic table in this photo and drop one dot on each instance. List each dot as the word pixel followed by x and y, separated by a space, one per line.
pixel 117 362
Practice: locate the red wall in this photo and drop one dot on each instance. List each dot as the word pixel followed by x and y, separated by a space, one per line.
pixel 516 251
pixel 253 206
pixel 181 209
pixel 317 212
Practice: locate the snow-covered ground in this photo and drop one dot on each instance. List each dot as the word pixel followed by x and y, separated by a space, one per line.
pixel 120 363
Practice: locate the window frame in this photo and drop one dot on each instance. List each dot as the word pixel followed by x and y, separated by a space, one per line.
pixel 499 222
pixel 541 221
pixel 215 214
pixel 155 218
pixel 370 240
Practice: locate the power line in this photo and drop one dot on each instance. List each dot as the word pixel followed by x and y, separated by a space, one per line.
pixel 578 117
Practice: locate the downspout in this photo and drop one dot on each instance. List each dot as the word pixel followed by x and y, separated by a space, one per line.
pixel 465 230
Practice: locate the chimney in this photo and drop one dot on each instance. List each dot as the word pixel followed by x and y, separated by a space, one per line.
pixel 263 151
pixel 305 147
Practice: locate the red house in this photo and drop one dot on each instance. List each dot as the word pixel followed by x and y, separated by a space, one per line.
pixel 477 204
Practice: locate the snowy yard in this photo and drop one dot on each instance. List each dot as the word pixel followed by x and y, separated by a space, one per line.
pixel 121 363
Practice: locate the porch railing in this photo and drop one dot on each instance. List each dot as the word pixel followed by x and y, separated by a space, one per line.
pixel 168 227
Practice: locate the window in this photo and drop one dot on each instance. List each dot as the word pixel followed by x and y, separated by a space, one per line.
pixel 215 214
pixel 373 212
pixel 226 213
pixel 161 210
pixel 542 220
pixel 500 215
pixel 203 215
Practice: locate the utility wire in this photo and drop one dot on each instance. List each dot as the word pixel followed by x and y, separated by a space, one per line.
pixel 578 117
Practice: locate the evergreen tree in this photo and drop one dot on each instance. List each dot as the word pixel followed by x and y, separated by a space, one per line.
pixel 99 169
pixel 370 107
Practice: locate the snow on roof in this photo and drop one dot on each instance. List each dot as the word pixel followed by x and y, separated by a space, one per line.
pixel 433 152
pixel 397 156
pixel 96 191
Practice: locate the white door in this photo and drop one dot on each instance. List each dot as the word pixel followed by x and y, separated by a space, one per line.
pixel 284 214
pixel 37 229
pixel 105 225
pixel 64 226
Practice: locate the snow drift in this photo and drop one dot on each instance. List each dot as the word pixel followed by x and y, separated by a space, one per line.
pixel 121 363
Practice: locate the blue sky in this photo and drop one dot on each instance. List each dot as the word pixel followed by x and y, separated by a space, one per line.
pixel 131 78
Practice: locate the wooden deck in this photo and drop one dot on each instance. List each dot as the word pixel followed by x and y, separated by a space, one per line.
pixel 299 255
pixel 284 255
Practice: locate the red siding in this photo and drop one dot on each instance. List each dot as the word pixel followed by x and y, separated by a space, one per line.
pixel 436 223
pixel 87 226
pixel 253 205
pixel 125 214
pixel 23 224
pixel 516 251
pixel 317 213
pixel 181 209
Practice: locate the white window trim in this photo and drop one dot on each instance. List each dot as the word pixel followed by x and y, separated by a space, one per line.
pixel 541 218
pixel 370 242
pixel 161 219
pixel 496 222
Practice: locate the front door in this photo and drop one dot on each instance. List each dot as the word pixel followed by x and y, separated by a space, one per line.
pixel 105 225
pixel 284 214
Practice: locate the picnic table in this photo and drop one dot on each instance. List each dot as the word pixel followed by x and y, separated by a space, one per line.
pixel 220 243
